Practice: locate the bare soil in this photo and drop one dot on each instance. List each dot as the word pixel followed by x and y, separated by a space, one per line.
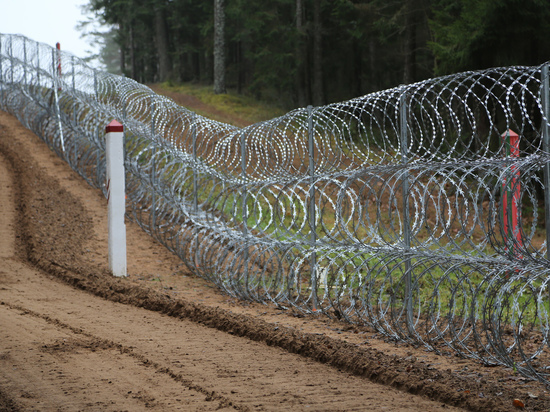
pixel 72 337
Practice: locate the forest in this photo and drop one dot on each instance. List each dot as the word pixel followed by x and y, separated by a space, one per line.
pixel 299 52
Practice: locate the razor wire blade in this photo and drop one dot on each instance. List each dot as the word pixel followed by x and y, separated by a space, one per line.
pixel 418 210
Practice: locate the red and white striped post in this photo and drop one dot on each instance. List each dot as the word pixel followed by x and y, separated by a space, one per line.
pixel 58 52
pixel 511 196
pixel 116 197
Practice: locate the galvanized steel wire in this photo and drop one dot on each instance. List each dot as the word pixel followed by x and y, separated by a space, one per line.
pixel 411 210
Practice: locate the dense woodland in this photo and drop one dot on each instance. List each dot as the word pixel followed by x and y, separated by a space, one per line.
pixel 298 52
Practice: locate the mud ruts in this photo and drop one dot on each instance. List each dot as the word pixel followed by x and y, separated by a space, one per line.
pixel 410 209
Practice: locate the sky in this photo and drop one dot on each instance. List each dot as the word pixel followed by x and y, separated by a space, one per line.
pixel 46 21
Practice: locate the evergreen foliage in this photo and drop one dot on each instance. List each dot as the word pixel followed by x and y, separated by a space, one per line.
pixel 298 52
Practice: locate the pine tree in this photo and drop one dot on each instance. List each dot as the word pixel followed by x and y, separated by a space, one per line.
pixel 162 43
pixel 476 34
pixel 219 47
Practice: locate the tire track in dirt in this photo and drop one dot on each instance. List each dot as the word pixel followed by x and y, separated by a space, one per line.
pixel 62 348
pixel 137 351
pixel 7 251
pixel 76 349
pixel 46 364
pixel 7 213
pixel 63 231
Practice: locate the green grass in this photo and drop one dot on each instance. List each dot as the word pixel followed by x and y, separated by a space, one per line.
pixel 231 104
pixel 455 285
pixel 456 282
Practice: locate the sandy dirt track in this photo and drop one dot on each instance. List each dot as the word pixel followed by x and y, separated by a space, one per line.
pixel 74 338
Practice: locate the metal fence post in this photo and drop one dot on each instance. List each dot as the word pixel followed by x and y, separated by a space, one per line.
pixel 404 143
pixel 244 209
pixel 11 58
pixel 74 86
pixel 73 74
pixel 153 167
pixel 546 149
pixel 56 108
pixel 98 152
pixel 195 188
pixel 54 82
pixel 311 208
pixel 75 120
pixel 95 84
pixel 37 64
pixel 25 61
pixel 195 183
pixel 98 159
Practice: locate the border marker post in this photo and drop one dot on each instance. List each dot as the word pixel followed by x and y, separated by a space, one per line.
pixel 116 198
pixel 58 54
pixel 511 208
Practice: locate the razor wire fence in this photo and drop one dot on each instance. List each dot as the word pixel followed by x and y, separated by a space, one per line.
pixel 420 210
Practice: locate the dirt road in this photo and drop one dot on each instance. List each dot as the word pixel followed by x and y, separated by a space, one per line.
pixel 73 338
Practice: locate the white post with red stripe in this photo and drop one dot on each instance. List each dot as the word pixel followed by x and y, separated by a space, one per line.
pixel 116 197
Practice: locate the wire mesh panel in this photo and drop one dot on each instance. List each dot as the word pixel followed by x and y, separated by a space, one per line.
pixel 420 210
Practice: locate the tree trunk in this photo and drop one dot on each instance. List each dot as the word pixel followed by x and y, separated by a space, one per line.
pixel 132 53
pixel 373 78
pixel 411 21
pixel 122 45
pixel 318 90
pixel 356 83
pixel 161 40
pixel 240 67
pixel 301 55
pixel 219 47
